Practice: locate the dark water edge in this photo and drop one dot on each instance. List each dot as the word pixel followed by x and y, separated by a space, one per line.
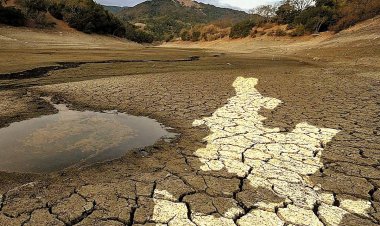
pixel 73 138
pixel 44 71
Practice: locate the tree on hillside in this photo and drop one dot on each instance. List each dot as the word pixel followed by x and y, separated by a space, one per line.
pixel 32 6
pixel 266 11
pixel 352 11
pixel 302 4
pixel 11 15
pixel 286 12
pixel 242 29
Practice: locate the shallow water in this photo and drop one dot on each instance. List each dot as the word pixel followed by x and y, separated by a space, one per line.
pixel 54 142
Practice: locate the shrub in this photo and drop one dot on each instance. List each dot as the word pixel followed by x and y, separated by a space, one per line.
pixel 185 35
pixel 242 29
pixel 11 16
pixel 209 31
pixel 89 28
pixel 267 26
pixel 261 33
pixel 195 36
pixel 225 32
pixel 56 10
pixel 286 13
pixel 290 26
pixel 316 19
pixel 169 37
pixel 212 32
pixel 33 6
pixel 298 31
pixel 355 11
pixel 136 35
pixel 280 32
pixel 41 21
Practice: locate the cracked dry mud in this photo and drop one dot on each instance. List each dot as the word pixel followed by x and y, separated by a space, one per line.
pixel 307 152
pixel 265 158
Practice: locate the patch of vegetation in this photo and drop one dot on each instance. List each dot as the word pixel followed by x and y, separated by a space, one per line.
pixel 209 32
pixel 166 19
pixel 185 35
pixel 242 29
pixel 326 15
pixel 298 31
pixel 113 9
pixel 164 27
pixel 134 34
pixel 355 11
pixel 83 15
pixel 212 32
pixel 11 16
pixel 277 32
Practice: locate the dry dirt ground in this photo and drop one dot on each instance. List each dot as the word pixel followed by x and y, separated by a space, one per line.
pixel 271 135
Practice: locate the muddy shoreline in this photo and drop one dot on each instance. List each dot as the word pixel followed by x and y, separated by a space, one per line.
pixel 43 71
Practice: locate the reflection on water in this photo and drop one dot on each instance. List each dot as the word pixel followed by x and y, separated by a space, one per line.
pixel 54 142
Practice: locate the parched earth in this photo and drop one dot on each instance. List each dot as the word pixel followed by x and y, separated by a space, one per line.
pixel 262 141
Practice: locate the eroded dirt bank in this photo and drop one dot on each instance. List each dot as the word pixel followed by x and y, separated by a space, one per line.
pixel 241 178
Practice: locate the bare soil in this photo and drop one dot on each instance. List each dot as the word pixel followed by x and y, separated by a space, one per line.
pixel 329 82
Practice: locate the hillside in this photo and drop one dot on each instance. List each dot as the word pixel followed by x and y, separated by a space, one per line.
pixel 83 15
pixel 114 9
pixel 184 11
pixel 166 18
pixel 357 45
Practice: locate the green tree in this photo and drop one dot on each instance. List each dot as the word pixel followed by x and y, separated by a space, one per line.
pixel 319 17
pixel 286 12
pixel 352 11
pixel 11 16
pixel 267 12
pixel 242 29
pixel 89 28
pixel 185 35
pixel 195 36
pixel 34 6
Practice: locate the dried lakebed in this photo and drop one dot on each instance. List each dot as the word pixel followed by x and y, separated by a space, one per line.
pixel 70 137
pixel 16 80
pixel 43 71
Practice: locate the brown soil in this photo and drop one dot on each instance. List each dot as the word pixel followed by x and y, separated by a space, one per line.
pixel 329 82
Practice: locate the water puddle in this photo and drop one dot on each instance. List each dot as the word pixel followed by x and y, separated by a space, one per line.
pixel 55 142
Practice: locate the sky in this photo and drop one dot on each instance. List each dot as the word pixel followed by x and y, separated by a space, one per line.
pixel 235 4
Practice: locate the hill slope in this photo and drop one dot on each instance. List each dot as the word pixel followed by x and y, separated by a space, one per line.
pixel 185 11
pixel 83 15
pixel 358 46
pixel 114 9
pixel 167 17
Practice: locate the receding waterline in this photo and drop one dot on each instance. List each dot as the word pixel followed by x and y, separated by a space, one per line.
pixel 55 142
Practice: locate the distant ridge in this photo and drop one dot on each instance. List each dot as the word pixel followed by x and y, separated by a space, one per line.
pixel 184 10
pixel 166 18
pixel 114 9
